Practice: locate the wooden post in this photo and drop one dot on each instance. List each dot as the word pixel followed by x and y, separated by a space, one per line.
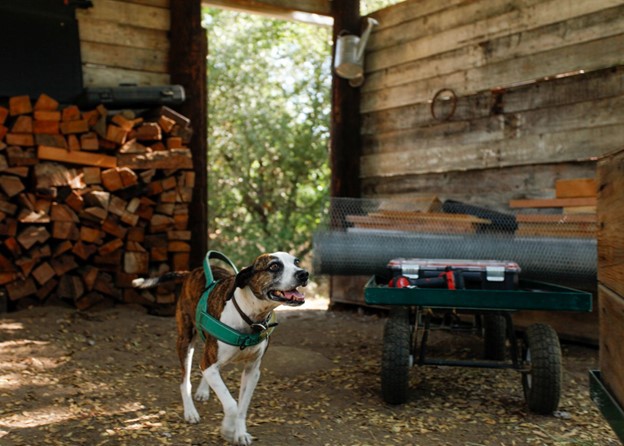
pixel 189 48
pixel 345 118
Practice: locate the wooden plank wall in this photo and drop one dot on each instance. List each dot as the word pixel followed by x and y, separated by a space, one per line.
pixel 611 271
pixel 510 136
pixel 125 41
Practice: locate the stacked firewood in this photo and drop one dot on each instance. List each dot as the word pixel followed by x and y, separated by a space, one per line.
pixel 90 200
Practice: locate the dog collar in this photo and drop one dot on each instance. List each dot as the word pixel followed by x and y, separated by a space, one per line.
pixel 206 323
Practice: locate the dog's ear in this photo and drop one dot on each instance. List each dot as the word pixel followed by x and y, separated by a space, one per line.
pixel 244 276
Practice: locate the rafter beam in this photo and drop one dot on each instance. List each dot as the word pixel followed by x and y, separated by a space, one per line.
pixel 311 11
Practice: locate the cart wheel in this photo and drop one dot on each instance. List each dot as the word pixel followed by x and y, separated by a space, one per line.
pixel 542 384
pixel 396 361
pixel 494 337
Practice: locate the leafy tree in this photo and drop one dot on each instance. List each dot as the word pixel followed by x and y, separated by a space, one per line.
pixel 268 112
pixel 368 6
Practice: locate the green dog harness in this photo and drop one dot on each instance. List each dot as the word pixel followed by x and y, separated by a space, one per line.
pixel 206 323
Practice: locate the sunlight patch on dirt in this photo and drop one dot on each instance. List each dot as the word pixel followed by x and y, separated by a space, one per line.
pixel 10 326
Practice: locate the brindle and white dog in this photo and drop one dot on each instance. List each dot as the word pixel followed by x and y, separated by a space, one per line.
pixel 271 280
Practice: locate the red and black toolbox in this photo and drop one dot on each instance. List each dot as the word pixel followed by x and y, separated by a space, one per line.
pixel 454 274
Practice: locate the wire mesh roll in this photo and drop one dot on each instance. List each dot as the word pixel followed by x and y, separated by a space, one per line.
pixel 360 236
pixel 569 261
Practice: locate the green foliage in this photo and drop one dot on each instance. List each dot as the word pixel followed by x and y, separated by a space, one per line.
pixel 268 175
pixel 368 6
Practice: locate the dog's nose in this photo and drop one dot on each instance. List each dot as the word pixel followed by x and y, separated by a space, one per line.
pixel 302 275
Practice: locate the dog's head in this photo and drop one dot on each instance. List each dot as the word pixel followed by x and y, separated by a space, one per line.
pixel 275 277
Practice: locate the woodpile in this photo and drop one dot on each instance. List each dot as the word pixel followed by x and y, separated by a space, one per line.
pixel 90 200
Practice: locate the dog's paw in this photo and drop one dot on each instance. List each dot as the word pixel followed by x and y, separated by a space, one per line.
pixel 243 439
pixel 191 416
pixel 202 393
pixel 237 439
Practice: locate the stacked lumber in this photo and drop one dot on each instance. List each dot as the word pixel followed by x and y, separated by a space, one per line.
pixel 574 208
pixel 416 214
pixel 90 200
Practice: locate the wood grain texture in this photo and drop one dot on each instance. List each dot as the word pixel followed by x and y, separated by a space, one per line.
pixel 121 56
pixel 610 217
pixel 611 309
pixel 490 188
pixel 565 146
pixel 103 76
pixel 127 13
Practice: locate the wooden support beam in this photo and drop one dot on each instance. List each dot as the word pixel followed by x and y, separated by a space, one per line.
pixel 345 148
pixel 189 49
pixel 286 9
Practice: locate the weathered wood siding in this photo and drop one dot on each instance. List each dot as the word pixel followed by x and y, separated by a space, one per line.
pixel 611 271
pixel 520 113
pixel 125 41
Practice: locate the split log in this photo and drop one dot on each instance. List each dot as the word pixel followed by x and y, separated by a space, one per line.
pixel 31 235
pixel 45 103
pixel 11 186
pixel 20 105
pixel 70 287
pixel 21 288
pixel 84 250
pixel 136 263
pixel 88 300
pixel 43 273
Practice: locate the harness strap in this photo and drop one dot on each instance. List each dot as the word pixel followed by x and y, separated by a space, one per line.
pixel 224 333
pixel 208 272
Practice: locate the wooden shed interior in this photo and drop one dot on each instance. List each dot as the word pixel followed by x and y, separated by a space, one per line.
pixel 481 101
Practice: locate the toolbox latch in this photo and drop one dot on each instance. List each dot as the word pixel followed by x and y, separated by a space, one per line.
pixel 495 273
pixel 411 271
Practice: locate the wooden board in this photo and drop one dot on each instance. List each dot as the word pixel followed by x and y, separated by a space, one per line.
pixel 274 7
pixel 610 222
pixel 127 13
pixel 82 158
pixel 122 56
pixel 552 202
pixel 611 309
pixel 480 187
pixel 575 230
pixel 111 32
pixel 474 46
pixel 561 92
pixel 495 154
pixel 576 187
pixel 125 42
pixel 98 76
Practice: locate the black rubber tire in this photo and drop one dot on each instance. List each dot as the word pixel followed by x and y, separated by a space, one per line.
pixel 494 337
pixel 542 384
pixel 395 360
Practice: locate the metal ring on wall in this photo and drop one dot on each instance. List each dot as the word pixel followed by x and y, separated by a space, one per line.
pixel 453 108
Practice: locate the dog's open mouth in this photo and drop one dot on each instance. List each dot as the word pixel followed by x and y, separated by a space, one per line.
pixel 290 297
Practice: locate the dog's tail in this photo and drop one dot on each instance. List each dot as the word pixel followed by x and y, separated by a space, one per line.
pixel 151 282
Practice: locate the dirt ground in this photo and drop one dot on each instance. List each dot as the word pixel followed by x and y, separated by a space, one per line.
pixel 110 377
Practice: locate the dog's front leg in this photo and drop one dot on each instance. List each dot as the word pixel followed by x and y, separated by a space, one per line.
pixel 212 375
pixel 249 380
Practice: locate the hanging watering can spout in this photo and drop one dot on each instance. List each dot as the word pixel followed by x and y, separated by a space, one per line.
pixel 364 39
pixel 349 58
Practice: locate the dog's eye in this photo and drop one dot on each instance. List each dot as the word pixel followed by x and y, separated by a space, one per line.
pixel 274 267
pixel 297 262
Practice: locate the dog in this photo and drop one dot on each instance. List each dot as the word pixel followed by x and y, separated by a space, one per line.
pixel 243 302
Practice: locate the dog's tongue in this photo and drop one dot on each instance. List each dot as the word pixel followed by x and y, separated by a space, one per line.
pixel 293 295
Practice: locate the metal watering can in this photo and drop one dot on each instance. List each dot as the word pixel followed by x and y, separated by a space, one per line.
pixel 349 57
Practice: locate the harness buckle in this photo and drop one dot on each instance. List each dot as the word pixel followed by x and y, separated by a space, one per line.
pixel 258 326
